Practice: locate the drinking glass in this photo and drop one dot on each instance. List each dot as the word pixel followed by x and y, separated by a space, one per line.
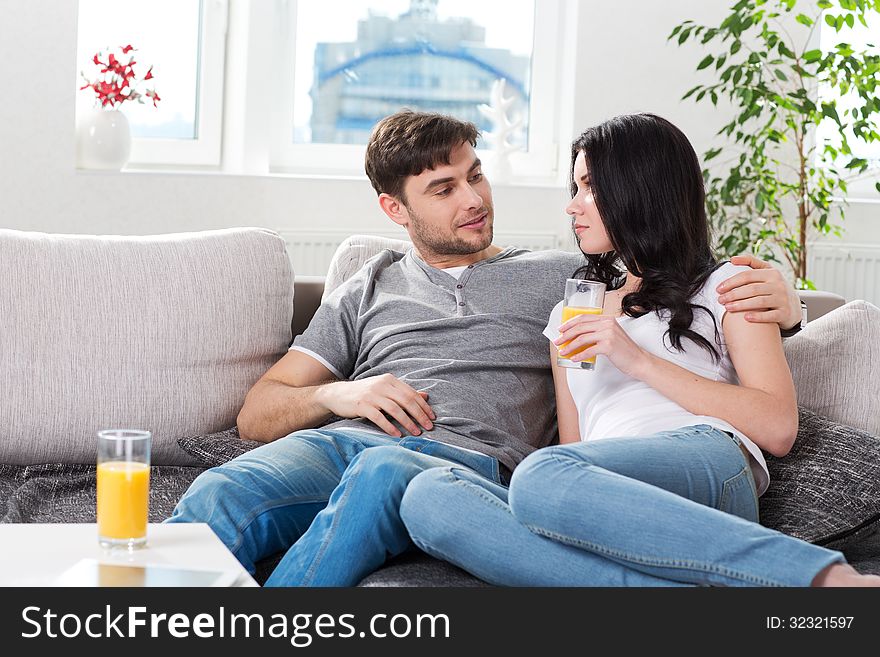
pixel 123 487
pixel 582 297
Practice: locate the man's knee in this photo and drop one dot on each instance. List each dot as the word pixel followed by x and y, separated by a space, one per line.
pixel 390 464
pixel 204 496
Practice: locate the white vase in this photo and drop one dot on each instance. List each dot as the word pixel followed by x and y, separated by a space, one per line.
pixel 103 140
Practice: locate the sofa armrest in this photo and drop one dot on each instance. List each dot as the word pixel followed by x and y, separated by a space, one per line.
pixel 307 292
pixel 820 302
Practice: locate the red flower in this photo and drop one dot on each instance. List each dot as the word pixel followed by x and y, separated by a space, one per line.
pixel 117 78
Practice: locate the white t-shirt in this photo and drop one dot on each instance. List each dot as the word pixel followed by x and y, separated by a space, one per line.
pixel 611 404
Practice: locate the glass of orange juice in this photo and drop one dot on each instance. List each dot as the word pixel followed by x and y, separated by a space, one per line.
pixel 123 487
pixel 582 297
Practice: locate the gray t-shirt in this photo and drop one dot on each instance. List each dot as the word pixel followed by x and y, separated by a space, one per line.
pixel 474 343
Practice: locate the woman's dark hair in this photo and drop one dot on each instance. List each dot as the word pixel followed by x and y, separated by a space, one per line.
pixel 648 189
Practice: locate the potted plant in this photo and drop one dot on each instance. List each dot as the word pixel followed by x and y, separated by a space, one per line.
pixel 778 184
pixel 104 137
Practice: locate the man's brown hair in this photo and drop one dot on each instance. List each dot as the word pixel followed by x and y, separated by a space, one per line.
pixel 406 143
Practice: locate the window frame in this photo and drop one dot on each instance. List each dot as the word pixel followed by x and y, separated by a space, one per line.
pixel 540 164
pixel 205 149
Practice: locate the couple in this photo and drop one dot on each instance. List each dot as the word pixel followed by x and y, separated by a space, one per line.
pixel 403 412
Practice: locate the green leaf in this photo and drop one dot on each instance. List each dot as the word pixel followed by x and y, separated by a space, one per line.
pixel 830 20
pixel 785 51
pixel 850 21
pixel 780 75
pixel 692 92
pixel 803 19
pixel 877 186
pixel 812 55
pixel 708 59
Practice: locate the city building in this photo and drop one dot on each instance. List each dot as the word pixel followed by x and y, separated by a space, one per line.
pixel 417 61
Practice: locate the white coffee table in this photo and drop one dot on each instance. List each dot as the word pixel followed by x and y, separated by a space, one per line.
pixel 36 554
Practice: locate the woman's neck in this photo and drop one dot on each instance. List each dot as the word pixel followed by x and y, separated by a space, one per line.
pixel 614 299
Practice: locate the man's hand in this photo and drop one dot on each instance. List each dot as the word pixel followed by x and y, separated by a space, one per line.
pixel 763 292
pixel 376 397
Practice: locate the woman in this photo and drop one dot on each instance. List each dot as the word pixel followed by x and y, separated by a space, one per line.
pixel 659 468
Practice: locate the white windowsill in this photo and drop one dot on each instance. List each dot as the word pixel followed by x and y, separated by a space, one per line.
pixel 140 169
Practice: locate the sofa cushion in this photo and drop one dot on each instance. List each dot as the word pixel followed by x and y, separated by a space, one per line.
pixel 834 361
pixel 353 252
pixel 215 449
pixel 65 492
pixel 165 333
pixel 827 489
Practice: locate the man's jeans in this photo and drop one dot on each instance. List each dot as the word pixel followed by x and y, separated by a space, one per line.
pixel 677 508
pixel 333 495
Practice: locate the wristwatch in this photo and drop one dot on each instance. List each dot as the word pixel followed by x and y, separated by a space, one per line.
pixel 787 333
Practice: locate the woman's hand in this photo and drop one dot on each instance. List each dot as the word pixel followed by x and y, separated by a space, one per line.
pixel 604 336
pixel 763 293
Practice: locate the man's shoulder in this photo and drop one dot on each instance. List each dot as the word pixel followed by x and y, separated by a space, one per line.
pixel 552 260
pixel 380 262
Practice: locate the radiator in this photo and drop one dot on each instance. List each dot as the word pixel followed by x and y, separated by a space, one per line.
pixel 311 252
pixel 850 270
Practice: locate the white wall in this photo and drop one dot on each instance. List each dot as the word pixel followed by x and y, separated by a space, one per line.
pixel 622 63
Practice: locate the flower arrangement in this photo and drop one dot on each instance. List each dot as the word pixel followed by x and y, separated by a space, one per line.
pixel 117 79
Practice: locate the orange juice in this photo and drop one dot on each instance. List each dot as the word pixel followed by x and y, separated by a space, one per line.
pixel 567 313
pixel 123 499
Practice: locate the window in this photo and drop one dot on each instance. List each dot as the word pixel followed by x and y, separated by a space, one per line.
pixel 183 40
pixel 297 87
pixel 860 38
pixel 352 63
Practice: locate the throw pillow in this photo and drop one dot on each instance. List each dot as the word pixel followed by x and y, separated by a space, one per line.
pixel 215 449
pixel 828 487
pixel 833 361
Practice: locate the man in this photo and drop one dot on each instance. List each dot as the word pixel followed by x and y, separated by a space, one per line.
pixel 425 359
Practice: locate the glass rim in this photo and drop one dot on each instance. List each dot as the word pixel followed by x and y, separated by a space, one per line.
pixel 124 434
pixel 585 280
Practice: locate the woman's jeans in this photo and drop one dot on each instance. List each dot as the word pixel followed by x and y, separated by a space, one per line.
pixel 676 508
pixel 332 494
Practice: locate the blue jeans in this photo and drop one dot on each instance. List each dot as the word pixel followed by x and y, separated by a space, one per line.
pixel 676 508
pixel 330 498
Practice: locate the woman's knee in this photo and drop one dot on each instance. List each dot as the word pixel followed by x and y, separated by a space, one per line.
pixel 539 480
pixel 424 496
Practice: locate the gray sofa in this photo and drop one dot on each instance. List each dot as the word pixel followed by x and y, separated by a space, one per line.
pixel 169 332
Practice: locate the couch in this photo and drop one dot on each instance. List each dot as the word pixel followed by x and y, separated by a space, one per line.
pixel 169 332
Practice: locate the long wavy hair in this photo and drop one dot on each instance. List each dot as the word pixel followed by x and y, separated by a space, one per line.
pixel 648 189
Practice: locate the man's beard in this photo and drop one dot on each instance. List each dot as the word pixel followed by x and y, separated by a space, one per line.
pixel 429 239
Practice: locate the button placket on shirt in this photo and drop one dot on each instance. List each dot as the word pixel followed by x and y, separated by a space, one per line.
pixel 461 304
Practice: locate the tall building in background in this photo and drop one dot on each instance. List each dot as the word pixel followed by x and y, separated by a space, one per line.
pixel 415 61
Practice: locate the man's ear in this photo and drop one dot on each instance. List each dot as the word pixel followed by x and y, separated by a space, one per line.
pixel 394 208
